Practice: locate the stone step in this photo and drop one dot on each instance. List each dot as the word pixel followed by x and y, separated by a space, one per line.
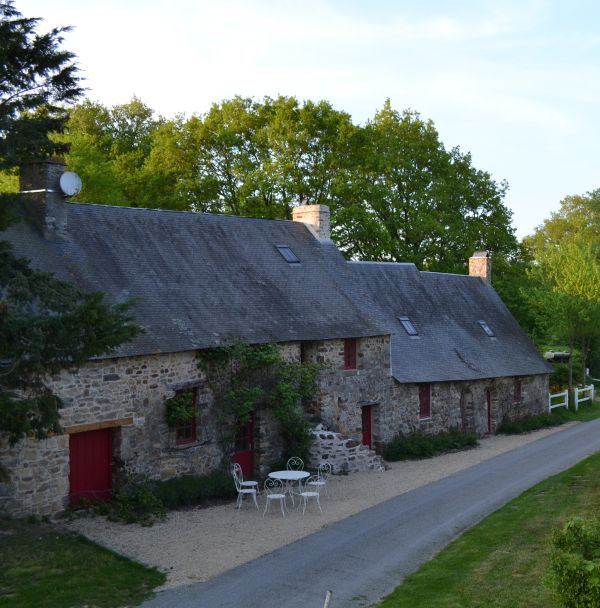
pixel 343 453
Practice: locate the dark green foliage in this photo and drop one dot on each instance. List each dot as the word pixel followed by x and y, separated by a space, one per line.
pixel 423 445
pixel 575 563
pixel 135 502
pixel 144 501
pixel 560 415
pixel 245 377
pixel 526 424
pixel 47 325
pixel 190 490
pixel 179 409
pixel 37 79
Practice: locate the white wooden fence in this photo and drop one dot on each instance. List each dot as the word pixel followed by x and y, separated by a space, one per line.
pixel 564 401
pixel 587 391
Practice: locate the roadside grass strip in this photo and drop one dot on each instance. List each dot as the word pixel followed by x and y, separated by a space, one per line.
pixel 43 567
pixel 504 560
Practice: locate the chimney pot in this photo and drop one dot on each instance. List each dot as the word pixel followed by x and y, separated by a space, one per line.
pixel 316 219
pixel 43 199
pixel 480 265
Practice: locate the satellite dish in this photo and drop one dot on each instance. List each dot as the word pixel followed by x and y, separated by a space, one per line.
pixel 70 183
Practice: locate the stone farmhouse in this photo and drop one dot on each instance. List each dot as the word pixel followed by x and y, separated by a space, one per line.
pixel 405 350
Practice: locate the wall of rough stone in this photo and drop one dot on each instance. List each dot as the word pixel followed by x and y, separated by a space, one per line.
pixel 342 393
pixel 137 387
pixel 104 391
pixel 462 405
pixel 114 389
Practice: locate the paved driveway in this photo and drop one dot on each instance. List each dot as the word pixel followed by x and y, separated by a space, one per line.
pixel 364 557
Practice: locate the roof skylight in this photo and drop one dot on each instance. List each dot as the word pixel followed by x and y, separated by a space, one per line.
pixel 487 329
pixel 408 325
pixel 288 255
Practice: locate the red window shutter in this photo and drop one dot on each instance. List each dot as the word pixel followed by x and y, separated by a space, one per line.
pixel 424 400
pixel 186 432
pixel 350 353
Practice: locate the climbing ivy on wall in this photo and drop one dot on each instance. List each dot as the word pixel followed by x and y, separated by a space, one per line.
pixel 246 378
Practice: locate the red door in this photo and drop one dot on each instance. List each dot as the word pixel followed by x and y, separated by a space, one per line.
pixel 367 419
pixel 488 398
pixel 244 448
pixel 90 460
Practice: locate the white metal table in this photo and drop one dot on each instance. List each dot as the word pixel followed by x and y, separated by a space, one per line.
pixel 290 477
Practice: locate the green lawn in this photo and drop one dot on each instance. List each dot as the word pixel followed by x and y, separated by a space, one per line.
pixel 502 561
pixel 42 567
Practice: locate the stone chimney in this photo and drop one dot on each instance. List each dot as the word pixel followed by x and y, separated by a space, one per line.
pixel 316 218
pixel 480 265
pixel 43 198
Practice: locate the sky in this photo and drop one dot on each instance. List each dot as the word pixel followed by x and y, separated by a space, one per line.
pixel 516 84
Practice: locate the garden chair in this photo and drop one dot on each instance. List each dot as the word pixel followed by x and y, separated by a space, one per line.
pixel 308 491
pixel 324 471
pixel 275 490
pixel 237 469
pixel 243 491
pixel 295 464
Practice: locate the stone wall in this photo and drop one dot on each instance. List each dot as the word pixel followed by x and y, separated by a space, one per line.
pixel 342 393
pixel 107 391
pixel 128 394
pixel 345 455
pixel 462 405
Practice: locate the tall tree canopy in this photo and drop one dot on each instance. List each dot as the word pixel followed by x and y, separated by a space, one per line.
pixel 406 198
pixel 394 191
pixel 37 79
pixel 46 325
pixel 565 250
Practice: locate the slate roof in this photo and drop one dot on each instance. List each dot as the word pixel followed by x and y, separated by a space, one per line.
pixel 203 280
pixel 445 310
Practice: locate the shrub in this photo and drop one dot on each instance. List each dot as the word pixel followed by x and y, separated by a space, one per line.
pixel 191 490
pixel 526 424
pixel 134 502
pixel 422 445
pixel 575 563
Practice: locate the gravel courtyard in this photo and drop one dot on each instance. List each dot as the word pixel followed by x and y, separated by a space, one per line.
pixel 197 544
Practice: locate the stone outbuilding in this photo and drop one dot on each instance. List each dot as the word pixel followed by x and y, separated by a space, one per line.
pixel 404 350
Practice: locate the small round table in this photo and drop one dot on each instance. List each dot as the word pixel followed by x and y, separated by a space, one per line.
pixel 290 477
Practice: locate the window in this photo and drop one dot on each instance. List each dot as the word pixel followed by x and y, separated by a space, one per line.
pixel 517 391
pixel 288 255
pixel 350 353
pixel 424 401
pixel 487 329
pixel 408 325
pixel 185 432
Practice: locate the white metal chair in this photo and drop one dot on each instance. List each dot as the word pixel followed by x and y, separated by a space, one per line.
pixel 242 491
pixel 307 491
pixel 237 469
pixel 274 490
pixel 324 471
pixel 295 464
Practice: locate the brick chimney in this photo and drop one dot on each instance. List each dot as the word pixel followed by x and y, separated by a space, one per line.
pixel 316 218
pixel 480 265
pixel 43 198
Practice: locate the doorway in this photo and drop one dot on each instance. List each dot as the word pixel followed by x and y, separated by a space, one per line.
pixel 244 447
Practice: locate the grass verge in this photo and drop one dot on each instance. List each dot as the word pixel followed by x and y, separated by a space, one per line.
pixel 47 568
pixel 502 562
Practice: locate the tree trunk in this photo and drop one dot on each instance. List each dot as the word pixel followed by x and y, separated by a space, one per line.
pixel 584 353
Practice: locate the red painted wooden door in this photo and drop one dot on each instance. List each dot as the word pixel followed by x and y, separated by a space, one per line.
pixel 90 459
pixel 244 448
pixel 367 421
pixel 488 398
